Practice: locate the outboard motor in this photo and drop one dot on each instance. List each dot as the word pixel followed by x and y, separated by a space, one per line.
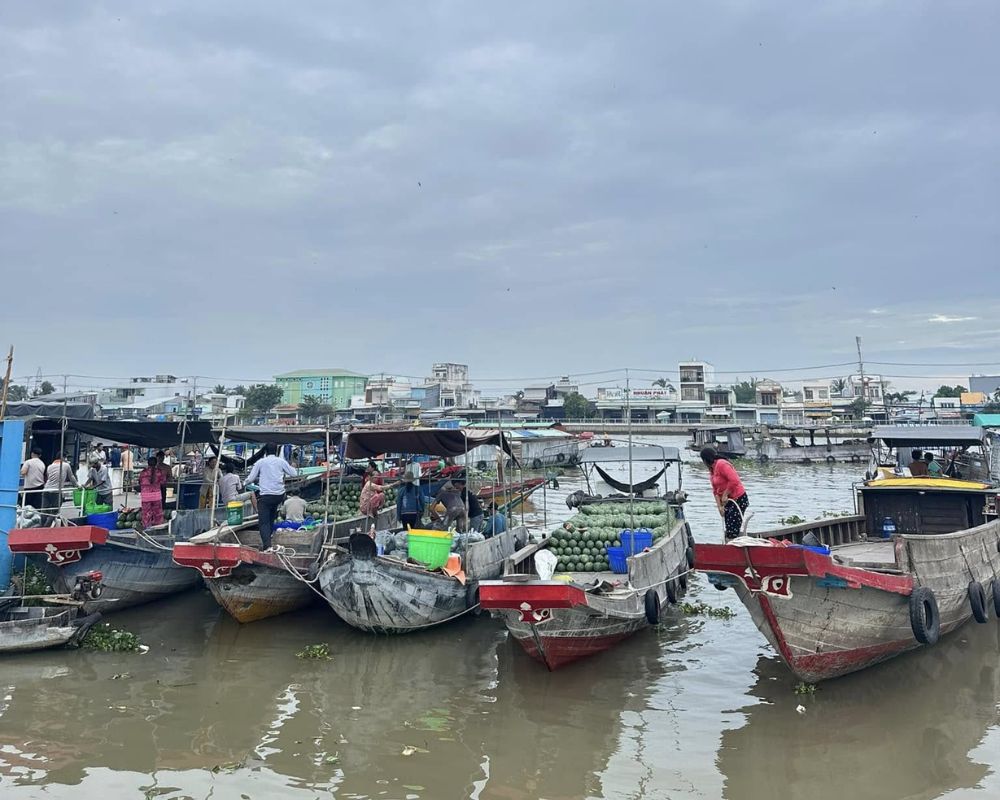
pixel 88 586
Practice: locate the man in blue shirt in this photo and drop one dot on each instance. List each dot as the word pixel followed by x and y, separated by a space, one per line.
pixel 495 522
pixel 409 503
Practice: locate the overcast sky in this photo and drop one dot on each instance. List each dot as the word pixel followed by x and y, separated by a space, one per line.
pixel 235 189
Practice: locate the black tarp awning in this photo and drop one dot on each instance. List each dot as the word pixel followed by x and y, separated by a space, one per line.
pixel 40 408
pixel 444 442
pixel 636 488
pixel 279 436
pixel 141 434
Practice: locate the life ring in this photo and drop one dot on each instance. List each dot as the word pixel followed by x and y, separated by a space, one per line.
pixel 977 600
pixel 996 596
pixel 652 605
pixel 536 463
pixel 672 591
pixel 560 457
pixel 925 619
pixel 831 460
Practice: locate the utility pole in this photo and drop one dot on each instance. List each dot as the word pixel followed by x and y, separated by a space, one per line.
pixel 861 372
pixel 6 383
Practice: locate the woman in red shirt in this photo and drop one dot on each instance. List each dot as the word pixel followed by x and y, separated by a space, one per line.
pixel 730 496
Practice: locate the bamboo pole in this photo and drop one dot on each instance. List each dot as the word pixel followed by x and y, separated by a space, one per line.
pixel 215 480
pixel 6 383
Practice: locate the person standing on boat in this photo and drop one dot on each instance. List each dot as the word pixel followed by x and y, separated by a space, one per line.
pixel 410 503
pixel 99 479
pixel 476 516
pixel 269 474
pixel 166 472
pixel 33 473
pixel 150 499
pixel 58 475
pixel 206 494
pixel 730 497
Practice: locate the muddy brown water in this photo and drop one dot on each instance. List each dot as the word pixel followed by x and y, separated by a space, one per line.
pixel 700 708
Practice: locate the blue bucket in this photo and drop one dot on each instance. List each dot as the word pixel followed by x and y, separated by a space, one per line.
pixel 636 541
pixel 108 521
pixel 618 560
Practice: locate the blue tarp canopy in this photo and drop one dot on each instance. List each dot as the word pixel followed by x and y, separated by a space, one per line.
pixel 987 420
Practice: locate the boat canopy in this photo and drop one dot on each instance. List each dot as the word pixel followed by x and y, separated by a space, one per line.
pixel 141 434
pixel 278 435
pixel 987 420
pixel 933 435
pixel 616 455
pixel 444 442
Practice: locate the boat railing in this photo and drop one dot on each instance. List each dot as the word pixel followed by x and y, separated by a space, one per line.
pixel 830 531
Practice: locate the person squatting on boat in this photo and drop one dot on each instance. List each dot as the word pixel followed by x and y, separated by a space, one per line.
pixel 230 484
pixel 730 497
pixel 295 507
pixel 150 498
pixel 269 475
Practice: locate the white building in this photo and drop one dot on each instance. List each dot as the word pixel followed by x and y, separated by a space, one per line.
pixel 695 377
pixel 455 389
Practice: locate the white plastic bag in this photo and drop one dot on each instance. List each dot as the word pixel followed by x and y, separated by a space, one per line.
pixel 545 564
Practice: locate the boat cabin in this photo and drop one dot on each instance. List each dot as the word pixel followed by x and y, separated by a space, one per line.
pixel 727 441
pixel 955 447
pixel 925 506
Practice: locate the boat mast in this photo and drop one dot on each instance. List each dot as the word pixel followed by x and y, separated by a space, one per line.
pixel 631 488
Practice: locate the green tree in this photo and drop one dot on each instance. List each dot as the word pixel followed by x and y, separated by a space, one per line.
pixel 309 407
pixel 46 388
pixel 661 383
pixel 219 389
pixel 950 391
pixel 16 393
pixel 857 408
pixel 263 397
pixel 746 391
pixel 240 390
pixel 577 406
pixel 838 386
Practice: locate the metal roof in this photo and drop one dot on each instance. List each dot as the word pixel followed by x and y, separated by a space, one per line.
pixel 906 436
pixel 612 455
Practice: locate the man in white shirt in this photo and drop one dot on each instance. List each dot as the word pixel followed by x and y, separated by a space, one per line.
pixel 57 477
pixel 295 507
pixel 269 474
pixel 33 473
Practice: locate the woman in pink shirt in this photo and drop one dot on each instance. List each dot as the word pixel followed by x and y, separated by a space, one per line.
pixel 730 496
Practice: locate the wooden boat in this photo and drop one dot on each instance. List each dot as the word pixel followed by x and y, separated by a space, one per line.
pixel 919 560
pixel 727 440
pixel 27 628
pixel 382 594
pixel 252 585
pixel 136 567
pixel 777 451
pixel 572 615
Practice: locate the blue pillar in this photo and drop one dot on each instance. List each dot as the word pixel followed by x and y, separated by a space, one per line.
pixel 11 446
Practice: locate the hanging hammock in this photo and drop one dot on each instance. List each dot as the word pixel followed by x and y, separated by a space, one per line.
pixel 637 488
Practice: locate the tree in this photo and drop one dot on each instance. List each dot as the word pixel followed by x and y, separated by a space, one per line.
pixel 16 393
pixel 746 391
pixel 950 391
pixel 263 397
pixel 309 407
pixel 219 389
pixel 240 390
pixel 662 383
pixel 857 408
pixel 577 406
pixel 46 388
pixel 838 386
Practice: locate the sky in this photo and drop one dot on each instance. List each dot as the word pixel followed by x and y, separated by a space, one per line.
pixel 236 189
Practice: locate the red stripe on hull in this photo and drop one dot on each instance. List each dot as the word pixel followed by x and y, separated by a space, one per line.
pixel 558 651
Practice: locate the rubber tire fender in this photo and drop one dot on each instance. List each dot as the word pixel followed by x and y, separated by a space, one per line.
pixel 560 457
pixel 977 600
pixel 671 587
pixel 481 465
pixel 472 598
pixel 689 555
pixel 996 596
pixel 536 463
pixel 925 619
pixel 652 605
pixel 831 460
pixel 682 578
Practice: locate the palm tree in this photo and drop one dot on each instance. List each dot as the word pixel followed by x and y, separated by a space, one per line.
pixel 661 382
pixel 838 386
pixel 219 389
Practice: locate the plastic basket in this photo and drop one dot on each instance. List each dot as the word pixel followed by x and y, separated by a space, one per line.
pixel 80 494
pixel 429 547
pixel 636 541
pixel 234 512
pixel 618 560
pixel 107 520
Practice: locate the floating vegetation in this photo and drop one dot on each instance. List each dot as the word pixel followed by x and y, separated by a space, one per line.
pixel 705 610
pixel 33 582
pixel 835 514
pixel 111 640
pixel 805 688
pixel 319 652
pixel 794 519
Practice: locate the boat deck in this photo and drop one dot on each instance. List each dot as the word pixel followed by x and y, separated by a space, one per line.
pixel 878 555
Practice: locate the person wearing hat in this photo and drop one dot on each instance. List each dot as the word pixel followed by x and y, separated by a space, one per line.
pixel 409 503
pixel 99 479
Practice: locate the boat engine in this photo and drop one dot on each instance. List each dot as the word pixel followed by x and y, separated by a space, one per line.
pixel 88 586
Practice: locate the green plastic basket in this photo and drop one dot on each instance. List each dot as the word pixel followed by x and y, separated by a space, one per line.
pixel 80 494
pixel 429 547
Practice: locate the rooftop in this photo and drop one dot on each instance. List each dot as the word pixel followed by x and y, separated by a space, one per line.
pixel 320 373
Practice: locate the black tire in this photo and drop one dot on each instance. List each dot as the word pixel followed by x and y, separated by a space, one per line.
pixel 481 465
pixel 763 458
pixel 925 619
pixel 472 599
pixel 977 600
pixel 672 591
pixel 831 460
pixel 996 596
pixel 689 555
pixel 536 463
pixel 682 579
pixel 560 457
pixel 652 604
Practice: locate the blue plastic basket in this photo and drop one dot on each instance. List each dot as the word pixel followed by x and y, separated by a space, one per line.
pixel 636 541
pixel 108 521
pixel 618 560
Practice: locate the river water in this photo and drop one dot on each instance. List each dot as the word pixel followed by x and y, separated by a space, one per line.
pixel 701 708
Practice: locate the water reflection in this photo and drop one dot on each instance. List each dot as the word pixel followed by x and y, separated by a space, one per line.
pixel 904 729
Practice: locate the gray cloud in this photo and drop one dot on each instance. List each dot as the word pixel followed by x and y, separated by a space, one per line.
pixel 532 188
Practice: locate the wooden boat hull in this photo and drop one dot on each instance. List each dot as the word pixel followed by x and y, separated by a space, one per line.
pixel 256 591
pixel 558 623
pixel 28 629
pixel 812 454
pixel 826 619
pixel 384 595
